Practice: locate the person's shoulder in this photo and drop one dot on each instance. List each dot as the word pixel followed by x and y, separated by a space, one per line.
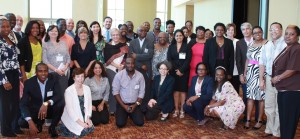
pixel 30 81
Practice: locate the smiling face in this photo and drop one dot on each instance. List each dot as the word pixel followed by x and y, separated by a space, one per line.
pixel 275 31
pixel 220 75
pixel 95 29
pixel 170 28
pixel 78 79
pixel 257 34
pixel 157 24
pixel 53 33
pixel 230 32
pixel 179 37
pixel 123 30
pixel 5 28
pixel 129 64
pixel 107 23
pixel 200 34
pixel 97 70
pixel 246 31
pixel 115 36
pixel 42 73
pixel 201 70
pixel 189 26
pixel 219 31
pixel 70 24
pixel 163 70
pixel 290 36
pixel 35 30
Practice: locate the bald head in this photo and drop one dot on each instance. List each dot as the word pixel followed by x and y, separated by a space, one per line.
pixel 70 24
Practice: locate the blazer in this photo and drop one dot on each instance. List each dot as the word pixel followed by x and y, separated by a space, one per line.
pixel 144 55
pixel 210 54
pixel 206 88
pixel 182 64
pixel 72 111
pixel 25 57
pixel 241 55
pixel 163 96
pixel 32 97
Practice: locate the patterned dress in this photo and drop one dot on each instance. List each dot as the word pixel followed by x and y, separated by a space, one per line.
pixel 99 53
pixel 159 56
pixel 253 90
pixel 233 107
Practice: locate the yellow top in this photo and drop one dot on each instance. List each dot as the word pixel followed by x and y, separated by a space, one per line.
pixel 37 58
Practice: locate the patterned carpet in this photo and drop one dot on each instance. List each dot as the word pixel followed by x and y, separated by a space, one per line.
pixel 173 128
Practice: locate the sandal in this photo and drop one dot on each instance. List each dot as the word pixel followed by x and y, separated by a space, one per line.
pixel 164 117
pixel 258 127
pixel 247 123
pixel 175 114
pixel 181 114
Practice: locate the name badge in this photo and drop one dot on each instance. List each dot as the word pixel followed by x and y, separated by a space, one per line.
pixel 49 93
pixel 59 58
pixel 182 55
pixel 137 86
pixel 146 50
pixel 97 52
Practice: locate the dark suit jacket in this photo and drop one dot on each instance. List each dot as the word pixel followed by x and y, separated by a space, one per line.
pixel 182 64
pixel 163 96
pixel 25 58
pixel 19 36
pixel 32 97
pixel 210 55
pixel 241 55
pixel 206 88
pixel 144 55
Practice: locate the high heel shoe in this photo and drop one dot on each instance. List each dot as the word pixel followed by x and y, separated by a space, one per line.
pixel 175 114
pixel 164 117
pixel 247 124
pixel 255 127
pixel 181 114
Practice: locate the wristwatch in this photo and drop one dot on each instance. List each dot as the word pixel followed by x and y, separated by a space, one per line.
pixel 138 103
pixel 45 103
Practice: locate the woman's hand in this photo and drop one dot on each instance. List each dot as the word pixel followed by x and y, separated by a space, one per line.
pixel 58 71
pixel 242 79
pixel 221 102
pixel 100 107
pixel 178 72
pixel 93 108
pixel 151 103
pixel 120 67
pixel 262 85
pixel 89 123
pixel 275 79
pixel 84 125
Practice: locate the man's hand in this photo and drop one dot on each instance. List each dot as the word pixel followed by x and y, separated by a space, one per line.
pixel 43 112
pixel 242 79
pixel 262 85
pixel 133 55
pixel 132 107
pixel 178 72
pixel 7 86
pixel 144 67
pixel 32 128
pixel 100 107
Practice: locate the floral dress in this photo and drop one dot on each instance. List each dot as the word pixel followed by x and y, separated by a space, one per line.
pixel 159 56
pixel 99 53
pixel 233 107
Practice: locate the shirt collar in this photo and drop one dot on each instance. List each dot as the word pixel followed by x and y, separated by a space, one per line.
pixel 41 82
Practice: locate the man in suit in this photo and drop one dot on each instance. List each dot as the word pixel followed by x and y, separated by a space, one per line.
pixel 41 100
pixel 241 56
pixel 18 28
pixel 142 50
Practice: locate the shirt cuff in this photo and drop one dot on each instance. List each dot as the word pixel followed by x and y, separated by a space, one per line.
pixel 27 118
pixel 51 102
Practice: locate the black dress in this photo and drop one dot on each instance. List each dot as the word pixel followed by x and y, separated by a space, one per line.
pixel 181 61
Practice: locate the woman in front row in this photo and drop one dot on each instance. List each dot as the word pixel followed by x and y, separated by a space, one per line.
pixel 200 94
pixel 225 104
pixel 161 93
pixel 75 119
pixel 99 85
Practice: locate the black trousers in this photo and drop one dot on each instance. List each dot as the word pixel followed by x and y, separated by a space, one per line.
pixel 122 115
pixel 153 113
pixel 9 103
pixel 289 112
pixel 197 109
pixel 54 112
pixel 147 95
pixel 99 117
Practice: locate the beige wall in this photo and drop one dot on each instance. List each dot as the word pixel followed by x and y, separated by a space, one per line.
pixel 208 12
pixel 139 11
pixel 86 10
pixel 178 14
pixel 285 12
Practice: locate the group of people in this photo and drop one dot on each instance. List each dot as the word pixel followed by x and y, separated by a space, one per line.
pixel 81 78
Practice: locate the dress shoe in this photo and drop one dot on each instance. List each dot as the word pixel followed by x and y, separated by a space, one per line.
pixel 9 134
pixel 19 131
pixel 258 127
pixel 266 135
pixel 40 128
pixel 52 132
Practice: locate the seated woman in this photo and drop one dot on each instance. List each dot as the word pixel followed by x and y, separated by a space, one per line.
pixel 200 94
pixel 161 93
pixel 99 86
pixel 75 119
pixel 226 103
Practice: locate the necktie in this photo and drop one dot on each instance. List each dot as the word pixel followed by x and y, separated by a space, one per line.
pixel 107 36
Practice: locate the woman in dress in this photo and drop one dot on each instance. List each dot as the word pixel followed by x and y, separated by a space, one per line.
pixel 226 103
pixel 115 54
pixel 96 37
pixel 254 93
pixel 230 33
pixel 160 52
pixel 75 119
pixel 9 80
pixel 161 93
pixel 179 54
pixel 31 50
pixel 56 56
pixel 200 94
pixel 99 85
pixel 197 48
pixel 83 52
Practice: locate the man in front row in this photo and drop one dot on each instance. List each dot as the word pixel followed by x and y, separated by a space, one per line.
pixel 129 90
pixel 41 100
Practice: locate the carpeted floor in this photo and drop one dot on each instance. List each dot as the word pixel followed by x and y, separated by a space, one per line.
pixel 173 128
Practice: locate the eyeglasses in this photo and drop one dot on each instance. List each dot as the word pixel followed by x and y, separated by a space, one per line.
pixel 255 33
pixel 201 69
pixel 274 29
